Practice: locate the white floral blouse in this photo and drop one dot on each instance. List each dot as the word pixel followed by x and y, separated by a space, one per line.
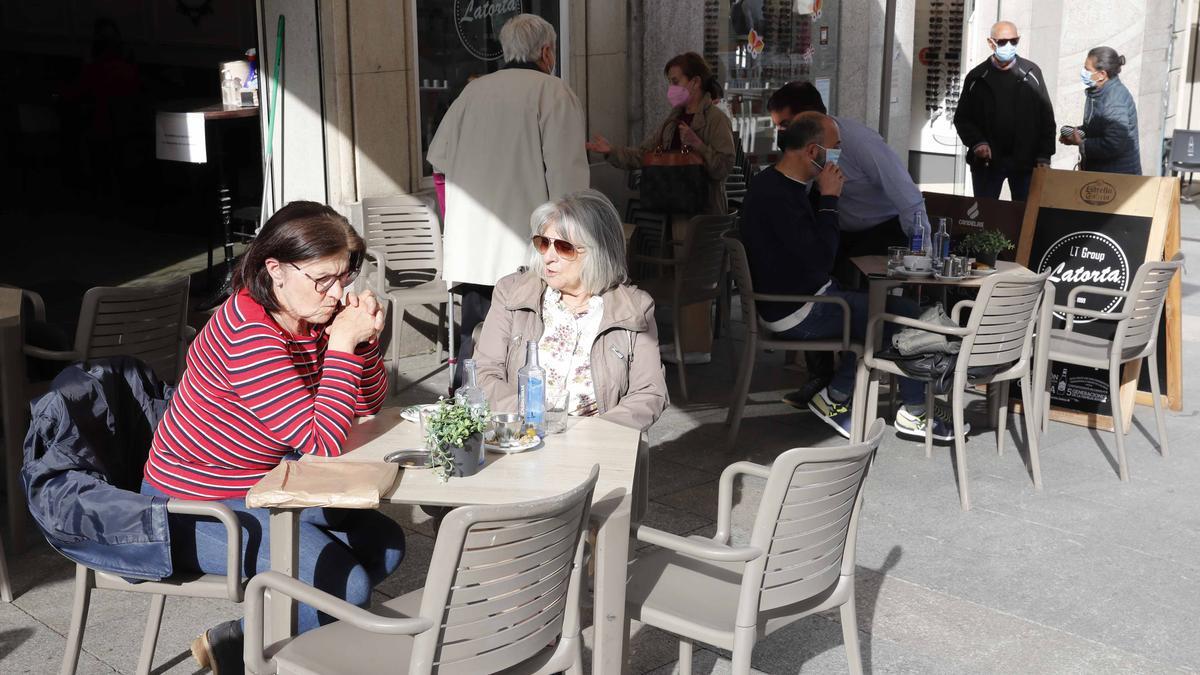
pixel 565 353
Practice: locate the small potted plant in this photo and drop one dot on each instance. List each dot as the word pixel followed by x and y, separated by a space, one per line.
pixel 454 436
pixel 985 245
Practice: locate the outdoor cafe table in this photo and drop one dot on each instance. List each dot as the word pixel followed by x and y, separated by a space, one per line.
pixel 875 269
pixel 562 462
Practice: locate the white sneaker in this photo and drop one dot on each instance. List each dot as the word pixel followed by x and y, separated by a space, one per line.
pixel 913 426
pixel 667 354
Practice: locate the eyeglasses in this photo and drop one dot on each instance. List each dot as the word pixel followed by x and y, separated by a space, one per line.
pixel 565 249
pixel 1000 42
pixel 323 284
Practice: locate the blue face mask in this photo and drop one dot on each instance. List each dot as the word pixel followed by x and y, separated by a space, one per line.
pixel 1006 53
pixel 832 155
pixel 1086 77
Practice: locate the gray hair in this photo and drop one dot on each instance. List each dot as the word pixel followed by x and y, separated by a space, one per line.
pixel 1107 59
pixel 589 220
pixel 523 37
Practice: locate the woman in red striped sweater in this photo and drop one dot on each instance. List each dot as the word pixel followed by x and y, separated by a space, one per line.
pixel 283 366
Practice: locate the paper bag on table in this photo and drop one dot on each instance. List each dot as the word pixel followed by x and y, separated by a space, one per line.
pixel 346 485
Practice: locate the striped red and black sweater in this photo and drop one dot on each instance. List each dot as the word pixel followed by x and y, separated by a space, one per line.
pixel 253 393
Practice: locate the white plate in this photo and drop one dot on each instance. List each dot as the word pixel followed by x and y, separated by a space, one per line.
pixel 939 277
pixel 982 273
pixel 523 446
pixel 911 274
pixel 413 412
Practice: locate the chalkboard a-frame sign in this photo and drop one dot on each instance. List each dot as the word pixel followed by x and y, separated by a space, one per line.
pixel 1095 229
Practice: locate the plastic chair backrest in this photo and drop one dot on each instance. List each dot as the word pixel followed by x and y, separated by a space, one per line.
pixel 146 321
pixel 806 524
pixel 407 231
pixel 698 277
pixel 1182 154
pixel 503 583
pixel 1003 319
pixel 740 266
pixel 1147 294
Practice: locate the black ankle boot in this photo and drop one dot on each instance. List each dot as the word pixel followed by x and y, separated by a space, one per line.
pixel 220 649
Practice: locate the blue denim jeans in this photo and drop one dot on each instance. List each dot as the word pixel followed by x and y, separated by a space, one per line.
pixel 342 552
pixel 824 322
pixel 988 180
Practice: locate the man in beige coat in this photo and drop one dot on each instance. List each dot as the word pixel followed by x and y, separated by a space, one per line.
pixel 510 142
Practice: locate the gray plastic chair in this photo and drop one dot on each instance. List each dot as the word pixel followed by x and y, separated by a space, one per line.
pixel 404 245
pixel 145 321
pixel 501 595
pixel 758 338
pixel 698 264
pixel 998 337
pixel 799 560
pixel 228 587
pixel 1136 338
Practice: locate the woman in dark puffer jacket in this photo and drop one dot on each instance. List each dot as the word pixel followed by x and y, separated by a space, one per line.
pixel 1108 137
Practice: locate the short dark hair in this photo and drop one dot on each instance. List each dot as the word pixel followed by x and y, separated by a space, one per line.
pixel 807 128
pixel 796 97
pixel 694 65
pixel 298 232
pixel 1107 59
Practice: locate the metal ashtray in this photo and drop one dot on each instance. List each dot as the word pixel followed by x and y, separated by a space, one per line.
pixel 416 458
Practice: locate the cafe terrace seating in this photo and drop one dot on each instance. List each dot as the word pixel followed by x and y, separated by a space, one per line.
pixel 1136 339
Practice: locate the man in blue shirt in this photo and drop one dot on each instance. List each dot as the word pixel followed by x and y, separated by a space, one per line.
pixel 790 231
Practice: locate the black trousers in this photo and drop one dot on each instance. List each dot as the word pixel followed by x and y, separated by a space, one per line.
pixel 872 241
pixel 476 301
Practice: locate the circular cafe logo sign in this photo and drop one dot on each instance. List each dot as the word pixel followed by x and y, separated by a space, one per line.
pixel 1091 259
pixel 479 22
pixel 1098 193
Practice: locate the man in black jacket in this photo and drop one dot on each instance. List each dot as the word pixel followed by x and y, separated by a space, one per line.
pixel 1005 118
pixel 790 231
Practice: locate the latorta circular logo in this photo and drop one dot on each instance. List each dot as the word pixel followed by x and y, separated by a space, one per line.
pixel 1087 259
pixel 479 21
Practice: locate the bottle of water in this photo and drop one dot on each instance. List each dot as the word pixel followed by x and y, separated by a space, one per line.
pixel 941 246
pixel 531 390
pixel 917 242
pixel 470 394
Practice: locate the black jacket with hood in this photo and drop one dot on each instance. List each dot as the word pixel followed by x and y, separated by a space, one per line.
pixel 1031 117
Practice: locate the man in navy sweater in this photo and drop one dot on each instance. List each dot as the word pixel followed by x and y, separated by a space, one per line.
pixel 790 231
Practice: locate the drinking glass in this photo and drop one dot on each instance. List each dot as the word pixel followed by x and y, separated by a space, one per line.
pixel 556 419
pixel 896 256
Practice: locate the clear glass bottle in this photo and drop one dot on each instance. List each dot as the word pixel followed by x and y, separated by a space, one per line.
pixel 470 394
pixel 531 390
pixel 941 246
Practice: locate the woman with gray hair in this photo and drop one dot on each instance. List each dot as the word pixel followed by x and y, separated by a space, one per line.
pixel 596 336
pixel 1108 137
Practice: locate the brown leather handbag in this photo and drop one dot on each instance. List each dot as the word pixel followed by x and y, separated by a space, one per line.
pixel 673 181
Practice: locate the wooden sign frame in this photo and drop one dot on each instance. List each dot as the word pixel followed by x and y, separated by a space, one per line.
pixel 1144 196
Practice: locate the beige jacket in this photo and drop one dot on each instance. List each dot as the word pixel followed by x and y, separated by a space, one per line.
pixel 510 142
pixel 714 129
pixel 627 374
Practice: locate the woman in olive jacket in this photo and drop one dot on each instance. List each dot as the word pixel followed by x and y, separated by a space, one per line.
pixel 694 121
pixel 1108 137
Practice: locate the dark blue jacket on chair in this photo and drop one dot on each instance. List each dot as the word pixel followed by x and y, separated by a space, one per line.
pixel 84 455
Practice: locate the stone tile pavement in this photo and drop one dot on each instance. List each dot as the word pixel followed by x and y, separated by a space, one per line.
pixel 1086 575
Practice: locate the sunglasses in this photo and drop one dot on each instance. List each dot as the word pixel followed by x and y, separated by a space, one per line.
pixel 323 284
pixel 565 249
pixel 1000 42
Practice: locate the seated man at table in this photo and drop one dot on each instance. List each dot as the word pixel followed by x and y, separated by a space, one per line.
pixel 880 206
pixel 790 231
